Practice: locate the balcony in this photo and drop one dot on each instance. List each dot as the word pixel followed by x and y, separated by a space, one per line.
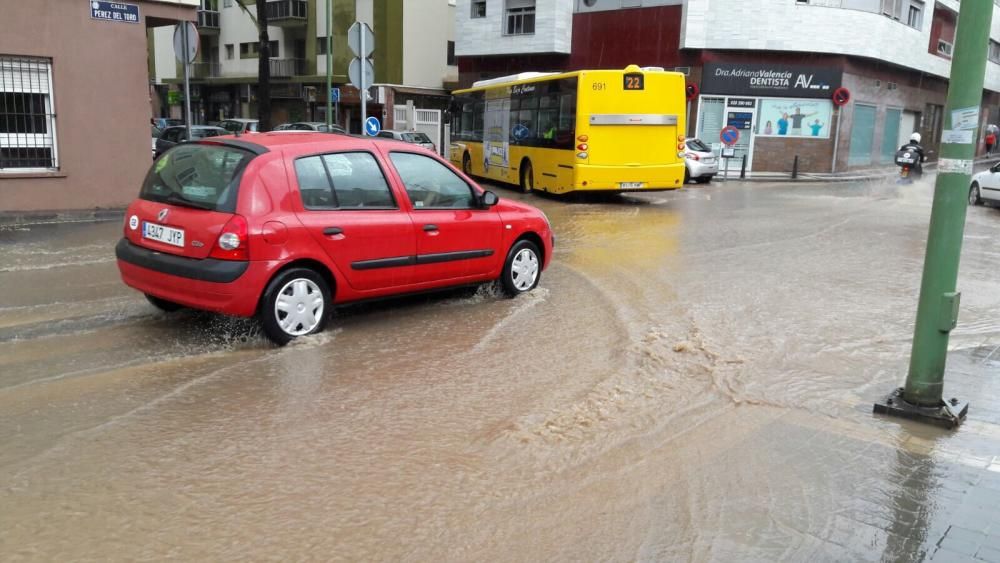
pixel 287 13
pixel 286 68
pixel 206 70
pixel 208 22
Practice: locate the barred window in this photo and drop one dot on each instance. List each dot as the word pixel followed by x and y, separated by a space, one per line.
pixel 520 17
pixel 27 119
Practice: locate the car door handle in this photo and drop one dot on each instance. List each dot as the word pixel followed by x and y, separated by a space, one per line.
pixel 430 227
pixel 330 231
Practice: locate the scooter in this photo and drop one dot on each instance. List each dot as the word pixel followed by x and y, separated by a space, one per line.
pixel 910 169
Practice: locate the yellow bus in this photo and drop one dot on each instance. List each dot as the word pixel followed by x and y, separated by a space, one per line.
pixel 599 130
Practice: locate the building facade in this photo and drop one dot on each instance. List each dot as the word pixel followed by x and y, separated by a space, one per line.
pixel 413 59
pixel 767 67
pixel 74 101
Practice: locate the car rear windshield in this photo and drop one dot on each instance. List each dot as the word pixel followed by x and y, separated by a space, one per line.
pixel 199 176
pixel 696 144
pixel 416 138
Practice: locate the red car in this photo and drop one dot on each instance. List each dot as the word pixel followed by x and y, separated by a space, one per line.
pixel 286 225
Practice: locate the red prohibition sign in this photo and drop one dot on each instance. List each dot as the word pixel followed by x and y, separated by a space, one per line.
pixel 841 96
pixel 691 91
pixel 729 135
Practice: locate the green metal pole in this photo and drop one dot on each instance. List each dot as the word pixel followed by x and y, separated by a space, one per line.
pixel 329 62
pixel 938 308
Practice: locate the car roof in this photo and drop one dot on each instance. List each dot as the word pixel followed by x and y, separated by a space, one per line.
pixel 193 127
pixel 304 141
pixel 241 120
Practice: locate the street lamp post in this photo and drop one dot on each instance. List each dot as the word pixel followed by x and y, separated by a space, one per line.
pixel 937 311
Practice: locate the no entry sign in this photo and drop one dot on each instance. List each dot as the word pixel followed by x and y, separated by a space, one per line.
pixel 729 135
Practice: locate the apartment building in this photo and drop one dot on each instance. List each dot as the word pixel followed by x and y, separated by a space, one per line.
pixel 74 101
pixel 767 67
pixel 414 42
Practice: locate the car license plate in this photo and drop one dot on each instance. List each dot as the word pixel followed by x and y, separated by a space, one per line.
pixel 709 161
pixel 629 185
pixel 163 234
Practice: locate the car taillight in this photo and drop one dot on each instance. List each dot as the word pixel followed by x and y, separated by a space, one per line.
pixel 692 156
pixel 233 242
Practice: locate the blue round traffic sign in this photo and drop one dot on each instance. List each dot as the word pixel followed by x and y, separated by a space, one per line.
pixel 729 135
pixel 372 126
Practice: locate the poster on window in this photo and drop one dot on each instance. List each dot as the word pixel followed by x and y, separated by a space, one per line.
pixel 795 118
pixel 496 142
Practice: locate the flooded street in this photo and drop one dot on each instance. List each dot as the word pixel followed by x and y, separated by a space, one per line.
pixel 692 380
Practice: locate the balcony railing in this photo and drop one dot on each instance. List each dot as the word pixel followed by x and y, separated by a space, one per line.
pixel 208 21
pixel 206 70
pixel 287 13
pixel 287 67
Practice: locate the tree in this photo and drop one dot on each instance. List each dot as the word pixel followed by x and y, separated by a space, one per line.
pixel 263 63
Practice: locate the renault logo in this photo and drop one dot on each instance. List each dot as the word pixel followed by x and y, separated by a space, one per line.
pixel 162 215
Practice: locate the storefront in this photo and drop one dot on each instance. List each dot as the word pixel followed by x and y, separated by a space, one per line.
pixel 781 111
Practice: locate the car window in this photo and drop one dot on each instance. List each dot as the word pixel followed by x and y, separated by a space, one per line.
pixel 155 132
pixel 173 134
pixel 232 126
pixel 416 138
pixel 196 175
pixel 252 126
pixel 385 134
pixel 430 184
pixel 351 180
pixel 696 144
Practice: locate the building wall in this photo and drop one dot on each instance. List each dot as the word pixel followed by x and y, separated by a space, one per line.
pixel 484 36
pixel 425 55
pixel 101 96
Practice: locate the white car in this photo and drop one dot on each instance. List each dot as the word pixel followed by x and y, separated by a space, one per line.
pixel 701 164
pixel 985 186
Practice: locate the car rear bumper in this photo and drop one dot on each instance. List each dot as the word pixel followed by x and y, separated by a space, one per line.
pixel 222 286
pixel 699 169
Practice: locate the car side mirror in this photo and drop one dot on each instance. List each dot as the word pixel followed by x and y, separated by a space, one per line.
pixel 489 199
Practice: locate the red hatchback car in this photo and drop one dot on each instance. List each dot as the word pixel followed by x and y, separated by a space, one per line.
pixel 286 225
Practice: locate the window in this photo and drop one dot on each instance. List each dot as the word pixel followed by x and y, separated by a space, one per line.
pixel 944 48
pixel 994 54
pixel 321 46
pixel 451 53
pixel 203 176
pixel 479 8
pixel 227 3
pixel 914 17
pixel 430 184
pixel 251 50
pixel 27 119
pixel 229 52
pixel 520 17
pixel 351 180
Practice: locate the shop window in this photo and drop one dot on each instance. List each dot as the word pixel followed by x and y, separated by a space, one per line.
pixel 27 119
pixel 520 17
pixel 478 8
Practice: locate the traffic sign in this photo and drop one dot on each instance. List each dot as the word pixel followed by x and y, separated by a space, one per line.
pixel 335 95
pixel 372 126
pixel 186 55
pixel 354 39
pixel 729 135
pixel 354 73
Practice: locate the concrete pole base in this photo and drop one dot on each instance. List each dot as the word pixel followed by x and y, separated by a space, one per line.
pixel 948 414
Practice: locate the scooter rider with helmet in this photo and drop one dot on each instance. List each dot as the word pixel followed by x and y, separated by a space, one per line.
pixel 914 147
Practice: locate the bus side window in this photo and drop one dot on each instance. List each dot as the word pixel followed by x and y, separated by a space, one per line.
pixel 548 119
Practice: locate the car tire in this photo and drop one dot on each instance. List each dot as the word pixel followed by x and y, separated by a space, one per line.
pixel 163 304
pixel 687 176
pixel 703 180
pixel 975 198
pixel 522 269
pixel 296 303
pixel 467 164
pixel 527 178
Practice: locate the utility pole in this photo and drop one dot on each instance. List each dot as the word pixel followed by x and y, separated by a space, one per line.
pixel 329 63
pixel 937 311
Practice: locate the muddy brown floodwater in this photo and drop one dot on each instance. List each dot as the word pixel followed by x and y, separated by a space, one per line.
pixel 692 380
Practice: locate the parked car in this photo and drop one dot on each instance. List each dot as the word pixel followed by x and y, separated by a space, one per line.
pixel 409 137
pixel 240 126
pixel 282 127
pixel 316 126
pixel 985 188
pixel 156 135
pixel 287 226
pixel 172 136
pixel 164 122
pixel 701 164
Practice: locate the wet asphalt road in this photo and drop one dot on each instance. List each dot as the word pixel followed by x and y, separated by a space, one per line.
pixel 692 380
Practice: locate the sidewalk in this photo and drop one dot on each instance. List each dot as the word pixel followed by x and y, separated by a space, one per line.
pixel 865 174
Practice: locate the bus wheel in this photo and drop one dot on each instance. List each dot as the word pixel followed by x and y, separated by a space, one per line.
pixel 527 177
pixel 467 164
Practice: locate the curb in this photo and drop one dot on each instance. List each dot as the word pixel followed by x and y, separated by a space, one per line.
pixel 15 219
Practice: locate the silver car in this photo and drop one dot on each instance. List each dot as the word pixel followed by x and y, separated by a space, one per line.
pixel 315 126
pixel 414 137
pixel 701 164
